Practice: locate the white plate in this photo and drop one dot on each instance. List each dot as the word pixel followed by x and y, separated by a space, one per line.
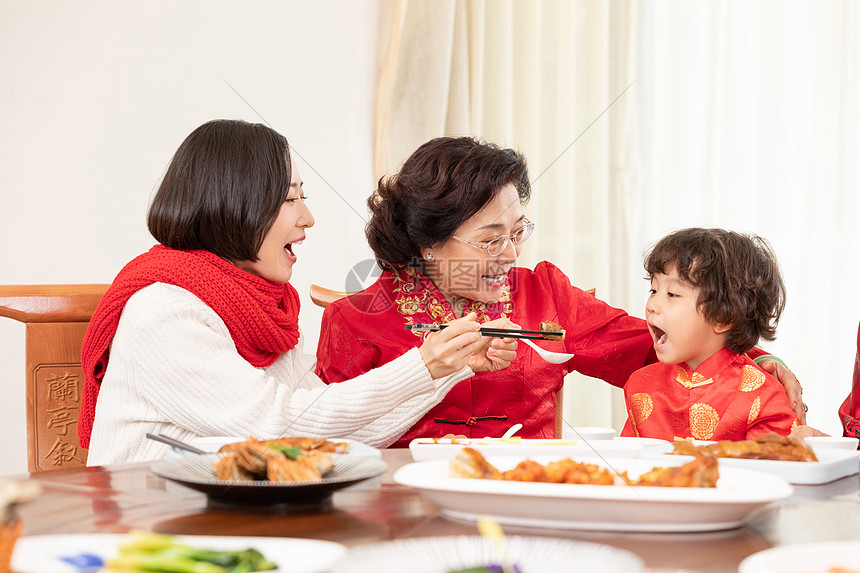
pixel 588 433
pixel 214 443
pixel 44 553
pixel 804 558
pixel 195 472
pixel 531 554
pixel 443 448
pixel 832 464
pixel 595 507
pixel 832 442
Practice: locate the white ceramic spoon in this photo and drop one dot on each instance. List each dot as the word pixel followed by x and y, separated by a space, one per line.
pixel 511 431
pixel 551 357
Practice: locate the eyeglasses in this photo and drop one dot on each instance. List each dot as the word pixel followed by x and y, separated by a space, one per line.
pixel 495 246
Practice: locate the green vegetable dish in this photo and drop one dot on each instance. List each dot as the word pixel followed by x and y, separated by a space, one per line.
pixel 164 554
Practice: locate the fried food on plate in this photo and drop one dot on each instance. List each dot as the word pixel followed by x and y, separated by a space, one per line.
pixel 769 446
pixel 701 472
pixel 469 463
pixel 280 460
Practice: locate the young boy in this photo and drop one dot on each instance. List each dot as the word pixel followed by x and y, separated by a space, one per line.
pixel 714 293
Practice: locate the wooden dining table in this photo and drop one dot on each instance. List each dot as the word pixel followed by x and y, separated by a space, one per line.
pixel 117 499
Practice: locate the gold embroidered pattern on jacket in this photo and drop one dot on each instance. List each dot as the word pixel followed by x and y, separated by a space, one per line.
pixel 751 378
pixel 703 421
pixel 420 302
pixel 755 410
pixel 698 380
pixel 641 406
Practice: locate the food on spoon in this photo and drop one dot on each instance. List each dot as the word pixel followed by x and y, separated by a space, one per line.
pixel 551 331
pixel 157 552
pixel 701 472
pixel 769 446
pixel 279 460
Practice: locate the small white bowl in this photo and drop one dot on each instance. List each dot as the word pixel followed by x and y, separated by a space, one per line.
pixel 832 442
pixel 589 433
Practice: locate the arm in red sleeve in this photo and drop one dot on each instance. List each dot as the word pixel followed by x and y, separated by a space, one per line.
pixel 849 411
pixel 776 414
pixel 342 353
pixel 609 344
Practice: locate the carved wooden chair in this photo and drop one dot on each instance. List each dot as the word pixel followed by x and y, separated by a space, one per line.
pixel 323 297
pixel 55 319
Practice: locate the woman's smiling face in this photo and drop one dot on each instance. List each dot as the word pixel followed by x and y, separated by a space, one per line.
pixel 276 258
pixel 459 269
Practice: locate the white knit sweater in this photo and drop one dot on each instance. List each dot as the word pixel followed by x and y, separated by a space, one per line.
pixel 174 369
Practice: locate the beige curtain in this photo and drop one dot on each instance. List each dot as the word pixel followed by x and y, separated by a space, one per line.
pixel 749 121
pixel 553 79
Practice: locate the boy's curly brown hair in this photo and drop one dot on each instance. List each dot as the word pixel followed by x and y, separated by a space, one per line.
pixel 737 275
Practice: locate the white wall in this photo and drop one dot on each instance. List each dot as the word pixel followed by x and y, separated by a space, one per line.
pixel 96 96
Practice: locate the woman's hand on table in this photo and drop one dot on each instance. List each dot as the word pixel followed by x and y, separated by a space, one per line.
pixel 498 352
pixel 792 386
pixel 448 350
pixel 806 432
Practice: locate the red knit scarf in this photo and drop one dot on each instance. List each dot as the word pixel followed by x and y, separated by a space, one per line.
pixel 262 316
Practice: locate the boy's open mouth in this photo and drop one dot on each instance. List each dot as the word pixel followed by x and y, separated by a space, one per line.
pixel 659 335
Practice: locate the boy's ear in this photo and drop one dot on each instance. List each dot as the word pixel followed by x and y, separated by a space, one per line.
pixel 722 328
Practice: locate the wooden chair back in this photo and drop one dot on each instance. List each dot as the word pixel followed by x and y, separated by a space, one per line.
pixel 55 319
pixel 323 297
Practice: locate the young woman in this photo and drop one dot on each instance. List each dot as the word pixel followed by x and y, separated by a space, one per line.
pixel 199 336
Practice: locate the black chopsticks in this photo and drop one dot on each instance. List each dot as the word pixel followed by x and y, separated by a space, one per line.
pixel 496 332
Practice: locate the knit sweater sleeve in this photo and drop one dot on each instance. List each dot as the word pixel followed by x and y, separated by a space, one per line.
pixel 174 368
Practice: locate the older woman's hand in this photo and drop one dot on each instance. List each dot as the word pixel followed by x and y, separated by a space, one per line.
pixel 792 386
pixel 498 353
pixel 450 349
pixel 806 432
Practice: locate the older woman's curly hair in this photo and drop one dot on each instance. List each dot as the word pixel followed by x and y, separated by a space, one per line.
pixel 439 187
pixel 737 275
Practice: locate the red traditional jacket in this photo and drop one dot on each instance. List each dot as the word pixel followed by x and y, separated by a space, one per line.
pixel 849 411
pixel 366 330
pixel 726 398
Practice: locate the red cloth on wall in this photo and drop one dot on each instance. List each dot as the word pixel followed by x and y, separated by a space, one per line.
pixel 728 397
pixel 849 411
pixel 366 330
pixel 262 316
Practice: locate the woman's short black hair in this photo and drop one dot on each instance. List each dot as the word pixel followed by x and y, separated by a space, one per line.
pixel 441 185
pixel 222 190
pixel 737 276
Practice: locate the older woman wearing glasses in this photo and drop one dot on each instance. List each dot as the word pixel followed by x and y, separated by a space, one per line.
pixel 447 230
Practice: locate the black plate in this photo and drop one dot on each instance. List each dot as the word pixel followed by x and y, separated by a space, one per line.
pixel 196 472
